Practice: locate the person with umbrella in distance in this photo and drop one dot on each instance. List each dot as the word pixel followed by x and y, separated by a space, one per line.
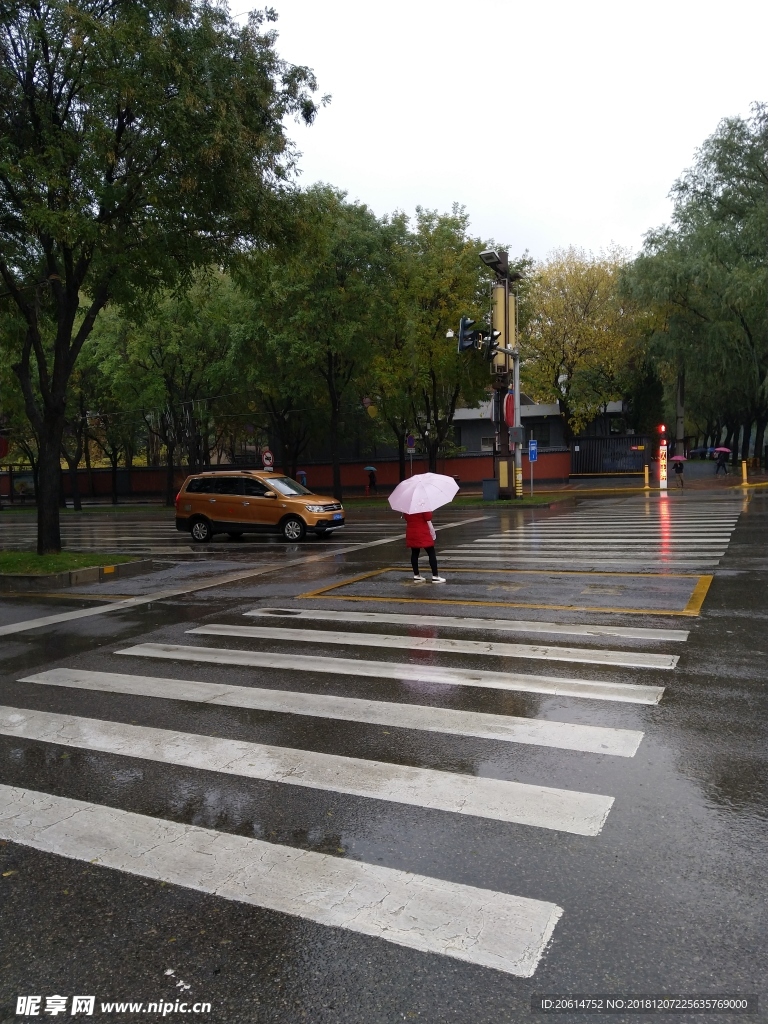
pixel 417 498
pixel 371 471
pixel 722 460
pixel 679 467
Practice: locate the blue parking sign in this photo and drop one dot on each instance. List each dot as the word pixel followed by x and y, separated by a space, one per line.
pixel 533 450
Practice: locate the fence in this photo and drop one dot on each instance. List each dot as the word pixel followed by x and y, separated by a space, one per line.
pixel 610 456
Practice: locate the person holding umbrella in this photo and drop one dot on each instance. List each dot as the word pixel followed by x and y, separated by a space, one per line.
pixel 722 460
pixel 417 498
pixel 678 461
pixel 371 471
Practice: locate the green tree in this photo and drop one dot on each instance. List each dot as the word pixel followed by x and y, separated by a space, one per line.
pixel 137 141
pixel 319 302
pixel 579 335
pixel 707 274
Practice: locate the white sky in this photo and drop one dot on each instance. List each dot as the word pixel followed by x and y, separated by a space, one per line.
pixel 554 122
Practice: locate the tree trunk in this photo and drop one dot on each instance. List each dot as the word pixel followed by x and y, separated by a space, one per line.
pixel 731 436
pixel 401 456
pixel 169 495
pixel 760 425
pixel 746 438
pixel 74 484
pixel 47 488
pixel 113 457
pixel 335 453
pixel 62 496
pixel 432 449
pixel 680 415
pixel 89 468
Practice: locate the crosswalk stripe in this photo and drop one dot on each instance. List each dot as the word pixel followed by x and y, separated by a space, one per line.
pixel 478 926
pixel 539 732
pixel 463 622
pixel 481 797
pixel 631 693
pixel 538 652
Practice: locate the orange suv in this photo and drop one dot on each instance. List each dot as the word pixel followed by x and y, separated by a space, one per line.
pixel 253 501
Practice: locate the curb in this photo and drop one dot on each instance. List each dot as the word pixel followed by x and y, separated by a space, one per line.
pixel 73 578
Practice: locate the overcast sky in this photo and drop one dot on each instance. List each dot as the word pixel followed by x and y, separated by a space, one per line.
pixel 554 122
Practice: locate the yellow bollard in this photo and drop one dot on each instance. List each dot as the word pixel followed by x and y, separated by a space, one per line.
pixel 646 485
pixel 743 471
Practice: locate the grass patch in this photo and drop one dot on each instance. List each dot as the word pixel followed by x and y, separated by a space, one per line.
pixel 28 563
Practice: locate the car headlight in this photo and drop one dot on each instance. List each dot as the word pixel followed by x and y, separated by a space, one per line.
pixel 315 508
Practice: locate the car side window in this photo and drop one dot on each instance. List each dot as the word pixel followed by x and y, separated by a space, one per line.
pixel 202 485
pixel 253 488
pixel 228 485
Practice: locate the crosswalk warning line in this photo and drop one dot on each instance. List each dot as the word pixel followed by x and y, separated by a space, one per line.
pixel 478 926
pixel 627 693
pixel 487 648
pixel 562 810
pixel 539 732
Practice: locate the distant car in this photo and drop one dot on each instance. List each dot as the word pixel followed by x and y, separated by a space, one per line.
pixel 253 501
pixel 701 453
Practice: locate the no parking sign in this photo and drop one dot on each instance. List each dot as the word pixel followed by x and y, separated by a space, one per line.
pixel 267 459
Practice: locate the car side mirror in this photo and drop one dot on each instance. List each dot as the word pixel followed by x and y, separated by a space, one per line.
pixel 270 494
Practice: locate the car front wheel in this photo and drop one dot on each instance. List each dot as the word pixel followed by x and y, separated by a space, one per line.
pixel 293 529
pixel 201 531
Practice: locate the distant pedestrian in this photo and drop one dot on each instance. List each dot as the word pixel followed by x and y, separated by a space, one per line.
pixel 301 476
pixel 679 474
pixel 372 482
pixel 420 533
pixel 722 460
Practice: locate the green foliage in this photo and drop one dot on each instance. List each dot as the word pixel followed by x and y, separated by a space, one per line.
pixel 138 141
pixel 706 277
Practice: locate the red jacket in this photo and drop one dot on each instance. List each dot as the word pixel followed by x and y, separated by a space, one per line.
pixel 417 533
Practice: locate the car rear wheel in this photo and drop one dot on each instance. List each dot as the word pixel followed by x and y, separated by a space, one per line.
pixel 201 531
pixel 293 529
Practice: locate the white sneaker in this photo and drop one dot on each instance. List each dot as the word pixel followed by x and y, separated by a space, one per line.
pixel 419 579
pixel 438 579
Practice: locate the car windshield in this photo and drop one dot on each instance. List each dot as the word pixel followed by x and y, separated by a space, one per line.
pixel 284 485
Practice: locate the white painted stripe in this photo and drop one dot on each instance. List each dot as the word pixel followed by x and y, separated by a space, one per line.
pixel 464 622
pixel 562 687
pixel 567 562
pixel 537 652
pixel 560 809
pixel 491 929
pixel 215 581
pixel 539 732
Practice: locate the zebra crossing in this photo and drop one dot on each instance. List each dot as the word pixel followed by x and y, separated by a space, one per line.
pixel 502 930
pixel 154 533
pixel 654 534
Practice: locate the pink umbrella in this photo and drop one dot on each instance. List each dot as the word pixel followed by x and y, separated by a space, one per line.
pixel 423 493
pixel 678 458
pixel 723 450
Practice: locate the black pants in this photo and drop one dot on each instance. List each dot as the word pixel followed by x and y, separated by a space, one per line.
pixel 430 555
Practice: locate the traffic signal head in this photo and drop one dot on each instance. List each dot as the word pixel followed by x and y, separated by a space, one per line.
pixel 467 337
pixel 492 345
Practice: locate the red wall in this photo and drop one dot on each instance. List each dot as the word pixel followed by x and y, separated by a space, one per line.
pixel 552 467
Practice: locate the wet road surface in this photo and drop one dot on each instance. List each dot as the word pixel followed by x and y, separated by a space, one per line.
pixel 212 798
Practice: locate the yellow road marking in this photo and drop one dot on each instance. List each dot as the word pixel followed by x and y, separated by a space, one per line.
pixel 692 608
pixel 697 597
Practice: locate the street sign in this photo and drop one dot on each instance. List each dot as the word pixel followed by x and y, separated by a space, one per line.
pixel 411 451
pixel 533 450
pixel 410 442
pixel 267 459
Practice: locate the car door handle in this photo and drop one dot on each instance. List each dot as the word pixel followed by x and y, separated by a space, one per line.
pixel 212 501
pixel 246 503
